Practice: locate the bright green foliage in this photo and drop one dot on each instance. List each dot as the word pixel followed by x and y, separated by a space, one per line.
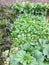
pixel 21 58
pixel 28 29
pixel 30 34
pixel 33 9
pixel 32 54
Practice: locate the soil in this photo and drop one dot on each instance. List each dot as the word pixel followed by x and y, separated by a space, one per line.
pixel 47 17
pixel 6 2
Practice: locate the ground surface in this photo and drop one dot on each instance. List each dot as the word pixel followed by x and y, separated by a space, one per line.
pixel 6 2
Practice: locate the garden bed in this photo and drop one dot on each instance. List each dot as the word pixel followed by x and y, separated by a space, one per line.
pixel 24 31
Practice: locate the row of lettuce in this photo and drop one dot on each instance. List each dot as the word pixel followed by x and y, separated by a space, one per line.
pixel 30 35
pixel 31 8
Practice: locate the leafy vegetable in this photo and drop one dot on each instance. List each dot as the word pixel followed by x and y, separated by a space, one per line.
pixel 30 34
